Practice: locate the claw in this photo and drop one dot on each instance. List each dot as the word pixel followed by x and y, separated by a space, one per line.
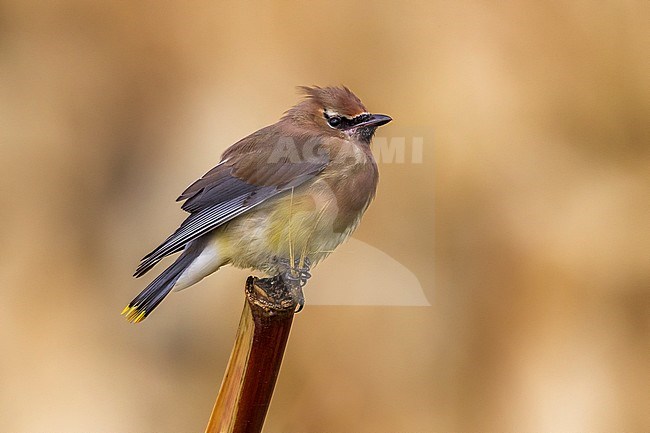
pixel 298 297
pixel 295 277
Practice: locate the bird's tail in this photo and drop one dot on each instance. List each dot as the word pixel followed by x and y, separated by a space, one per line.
pixel 143 304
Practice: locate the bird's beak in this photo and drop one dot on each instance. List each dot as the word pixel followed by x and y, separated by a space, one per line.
pixel 375 120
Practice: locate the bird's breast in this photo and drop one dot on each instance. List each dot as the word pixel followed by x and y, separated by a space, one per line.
pixel 311 220
pixel 320 214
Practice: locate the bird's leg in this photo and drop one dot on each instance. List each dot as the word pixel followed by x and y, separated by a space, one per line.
pixel 294 276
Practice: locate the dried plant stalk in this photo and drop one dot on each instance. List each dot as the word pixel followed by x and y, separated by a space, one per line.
pixel 254 364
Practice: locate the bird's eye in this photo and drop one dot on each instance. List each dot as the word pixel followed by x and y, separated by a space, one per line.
pixel 334 121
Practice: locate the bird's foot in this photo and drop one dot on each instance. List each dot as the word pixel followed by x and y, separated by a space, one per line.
pixel 295 276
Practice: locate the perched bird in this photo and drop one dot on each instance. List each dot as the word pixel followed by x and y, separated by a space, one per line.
pixel 279 201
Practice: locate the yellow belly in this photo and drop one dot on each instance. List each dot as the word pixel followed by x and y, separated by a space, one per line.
pixel 302 223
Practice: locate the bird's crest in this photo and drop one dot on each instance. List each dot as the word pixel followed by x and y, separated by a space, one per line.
pixel 337 99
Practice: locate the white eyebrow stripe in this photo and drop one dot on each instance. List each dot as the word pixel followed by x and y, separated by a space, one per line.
pixel 330 113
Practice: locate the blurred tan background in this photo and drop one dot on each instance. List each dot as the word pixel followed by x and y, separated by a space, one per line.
pixel 527 223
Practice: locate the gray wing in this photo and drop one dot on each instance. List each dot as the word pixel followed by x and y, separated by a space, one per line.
pixel 232 188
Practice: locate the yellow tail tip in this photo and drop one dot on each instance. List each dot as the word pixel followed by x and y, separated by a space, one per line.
pixel 134 314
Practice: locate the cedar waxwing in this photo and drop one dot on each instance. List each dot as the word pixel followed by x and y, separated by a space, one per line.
pixel 279 201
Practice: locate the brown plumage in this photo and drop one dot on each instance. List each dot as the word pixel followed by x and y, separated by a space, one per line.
pixel 279 201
